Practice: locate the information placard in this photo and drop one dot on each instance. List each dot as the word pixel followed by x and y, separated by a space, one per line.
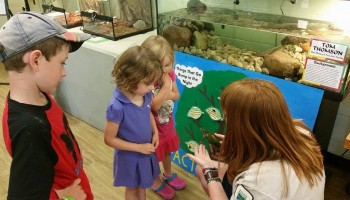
pixel 3 7
pixel 324 74
pixel 328 50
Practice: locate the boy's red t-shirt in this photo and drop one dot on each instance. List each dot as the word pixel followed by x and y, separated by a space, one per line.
pixel 45 153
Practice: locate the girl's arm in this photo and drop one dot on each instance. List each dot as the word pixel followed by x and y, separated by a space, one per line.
pixel 165 93
pixel 155 136
pixel 174 93
pixel 111 139
pixel 162 94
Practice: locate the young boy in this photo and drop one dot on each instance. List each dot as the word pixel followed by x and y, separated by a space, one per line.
pixel 46 159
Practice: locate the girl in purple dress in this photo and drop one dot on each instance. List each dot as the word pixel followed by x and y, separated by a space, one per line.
pixel 130 127
pixel 166 92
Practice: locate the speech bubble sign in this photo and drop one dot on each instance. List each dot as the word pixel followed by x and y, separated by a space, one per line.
pixel 189 76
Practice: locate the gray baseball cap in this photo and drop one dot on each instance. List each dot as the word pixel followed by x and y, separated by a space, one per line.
pixel 26 29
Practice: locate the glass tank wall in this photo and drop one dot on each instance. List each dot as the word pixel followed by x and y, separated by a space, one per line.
pixel 115 19
pixel 65 12
pixel 300 40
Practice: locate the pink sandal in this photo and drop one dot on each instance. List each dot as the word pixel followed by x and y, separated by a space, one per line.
pixel 165 191
pixel 174 181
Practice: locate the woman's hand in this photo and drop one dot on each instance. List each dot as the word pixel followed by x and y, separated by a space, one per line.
pixel 74 190
pixel 215 151
pixel 201 157
pixel 220 136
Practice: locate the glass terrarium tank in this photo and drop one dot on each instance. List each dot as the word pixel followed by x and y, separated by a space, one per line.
pixel 300 40
pixel 65 12
pixel 115 19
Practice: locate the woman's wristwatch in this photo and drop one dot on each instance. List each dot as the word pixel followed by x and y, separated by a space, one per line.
pixel 211 174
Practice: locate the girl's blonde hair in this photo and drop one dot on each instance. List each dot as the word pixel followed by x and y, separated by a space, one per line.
pixel 159 46
pixel 136 64
pixel 260 128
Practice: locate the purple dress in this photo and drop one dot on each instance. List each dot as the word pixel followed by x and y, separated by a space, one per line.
pixel 132 169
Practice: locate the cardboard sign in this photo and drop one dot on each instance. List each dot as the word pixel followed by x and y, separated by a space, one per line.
pixel 324 74
pixel 328 50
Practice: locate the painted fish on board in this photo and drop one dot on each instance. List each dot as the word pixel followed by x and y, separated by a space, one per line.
pixel 191 145
pixel 214 113
pixel 195 112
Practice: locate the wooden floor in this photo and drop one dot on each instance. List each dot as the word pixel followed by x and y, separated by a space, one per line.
pixel 98 165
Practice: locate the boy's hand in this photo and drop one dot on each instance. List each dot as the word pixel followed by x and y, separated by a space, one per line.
pixel 74 190
pixel 146 148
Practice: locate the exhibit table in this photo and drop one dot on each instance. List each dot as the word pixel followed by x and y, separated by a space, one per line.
pixel 88 86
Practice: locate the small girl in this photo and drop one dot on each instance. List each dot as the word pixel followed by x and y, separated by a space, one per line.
pixel 130 128
pixel 166 92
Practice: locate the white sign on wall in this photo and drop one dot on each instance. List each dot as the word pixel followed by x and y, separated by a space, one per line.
pixel 304 3
pixel 3 7
pixel 328 50
pixel 189 76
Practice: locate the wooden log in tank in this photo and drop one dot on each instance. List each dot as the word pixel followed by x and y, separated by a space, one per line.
pixel 134 10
